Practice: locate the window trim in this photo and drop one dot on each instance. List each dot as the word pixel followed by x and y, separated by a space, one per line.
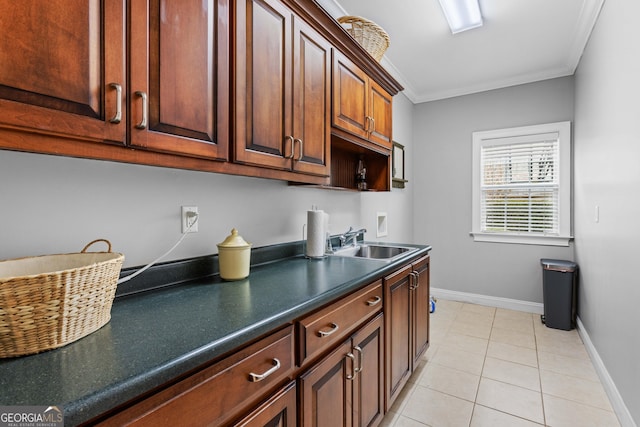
pixel 564 181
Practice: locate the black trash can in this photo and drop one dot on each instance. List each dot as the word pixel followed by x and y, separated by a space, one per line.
pixel 559 288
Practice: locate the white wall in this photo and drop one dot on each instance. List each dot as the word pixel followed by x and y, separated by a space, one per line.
pixel 607 174
pixel 442 195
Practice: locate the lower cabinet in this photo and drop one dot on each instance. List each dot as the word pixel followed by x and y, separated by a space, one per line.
pixel 342 365
pixel 406 307
pixel 279 411
pixel 346 388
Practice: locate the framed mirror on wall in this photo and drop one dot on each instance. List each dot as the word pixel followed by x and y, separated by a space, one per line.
pixel 397 170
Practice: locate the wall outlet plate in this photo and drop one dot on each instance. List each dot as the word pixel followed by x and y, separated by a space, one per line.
pixel 188 219
pixel 381 224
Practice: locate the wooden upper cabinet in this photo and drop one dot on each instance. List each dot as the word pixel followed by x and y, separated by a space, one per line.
pixel 282 90
pixel 350 96
pixel 179 63
pixel 62 68
pixel 311 100
pixel 361 106
pixel 381 111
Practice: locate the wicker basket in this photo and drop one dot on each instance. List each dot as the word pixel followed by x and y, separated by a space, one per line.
pixel 49 301
pixel 368 34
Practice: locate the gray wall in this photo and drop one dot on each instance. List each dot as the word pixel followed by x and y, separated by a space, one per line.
pixel 442 196
pixel 398 204
pixel 51 204
pixel 607 174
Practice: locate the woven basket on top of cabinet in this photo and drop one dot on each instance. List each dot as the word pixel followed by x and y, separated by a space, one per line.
pixel 368 34
pixel 50 301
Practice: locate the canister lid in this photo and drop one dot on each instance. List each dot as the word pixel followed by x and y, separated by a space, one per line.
pixel 234 240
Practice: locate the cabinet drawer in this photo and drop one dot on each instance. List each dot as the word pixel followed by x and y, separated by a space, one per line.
pixel 221 392
pixel 319 331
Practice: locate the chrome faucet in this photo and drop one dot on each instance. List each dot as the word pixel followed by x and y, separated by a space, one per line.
pixel 351 235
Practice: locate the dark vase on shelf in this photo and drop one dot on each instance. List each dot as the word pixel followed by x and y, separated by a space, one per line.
pixel 361 175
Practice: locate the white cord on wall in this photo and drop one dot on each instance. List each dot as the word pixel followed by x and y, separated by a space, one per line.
pixel 131 276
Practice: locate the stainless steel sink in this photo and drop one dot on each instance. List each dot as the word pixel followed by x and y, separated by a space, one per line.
pixel 372 251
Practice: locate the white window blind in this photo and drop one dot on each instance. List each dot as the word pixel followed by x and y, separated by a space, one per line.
pixel 522 185
pixel 519 185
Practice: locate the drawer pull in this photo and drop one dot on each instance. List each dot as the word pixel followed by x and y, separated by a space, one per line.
pixel 254 378
pixel 374 301
pixel 323 334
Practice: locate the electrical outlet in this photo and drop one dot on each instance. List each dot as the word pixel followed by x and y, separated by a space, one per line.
pixel 188 218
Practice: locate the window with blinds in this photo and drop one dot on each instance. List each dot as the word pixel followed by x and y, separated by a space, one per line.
pixel 519 187
pixel 519 183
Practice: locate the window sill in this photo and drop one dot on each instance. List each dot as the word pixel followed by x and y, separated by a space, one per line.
pixel 522 239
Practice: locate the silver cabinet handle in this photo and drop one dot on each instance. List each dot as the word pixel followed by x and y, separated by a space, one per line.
pixel 254 378
pixel 373 125
pixel 412 280
pixel 417 276
pixel 118 117
pixel 293 142
pixel 374 301
pixel 324 334
pixel 143 122
pixel 359 351
pixel 301 148
pixel 367 123
pixel 354 372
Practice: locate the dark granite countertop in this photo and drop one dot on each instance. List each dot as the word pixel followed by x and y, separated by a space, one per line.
pixel 157 335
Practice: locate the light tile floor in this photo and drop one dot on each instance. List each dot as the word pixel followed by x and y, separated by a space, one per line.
pixel 491 367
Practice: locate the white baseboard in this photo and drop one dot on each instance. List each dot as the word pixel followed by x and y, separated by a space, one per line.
pixel 511 304
pixel 619 407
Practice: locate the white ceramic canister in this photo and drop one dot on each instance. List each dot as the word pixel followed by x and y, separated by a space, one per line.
pixel 234 255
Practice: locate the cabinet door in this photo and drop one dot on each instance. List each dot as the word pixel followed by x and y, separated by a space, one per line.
pixel 278 411
pixel 263 89
pixel 62 68
pixel 179 76
pixel 368 395
pixel 350 96
pixel 311 100
pixel 420 308
pixel 381 111
pixel 398 318
pixel 325 391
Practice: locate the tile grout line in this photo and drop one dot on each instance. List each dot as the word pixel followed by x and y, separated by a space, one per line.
pixel 484 362
pixel 535 340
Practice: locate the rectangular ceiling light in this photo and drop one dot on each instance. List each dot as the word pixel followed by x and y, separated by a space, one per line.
pixel 462 15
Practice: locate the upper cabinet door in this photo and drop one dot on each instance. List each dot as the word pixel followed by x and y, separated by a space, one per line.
pixel 361 106
pixel 311 100
pixel 350 96
pixel 62 68
pixel 381 116
pixel 282 90
pixel 263 133
pixel 179 94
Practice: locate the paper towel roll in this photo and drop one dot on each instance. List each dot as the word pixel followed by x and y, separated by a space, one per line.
pixel 316 229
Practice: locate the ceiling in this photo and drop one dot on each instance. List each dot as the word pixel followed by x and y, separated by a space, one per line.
pixel 521 41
